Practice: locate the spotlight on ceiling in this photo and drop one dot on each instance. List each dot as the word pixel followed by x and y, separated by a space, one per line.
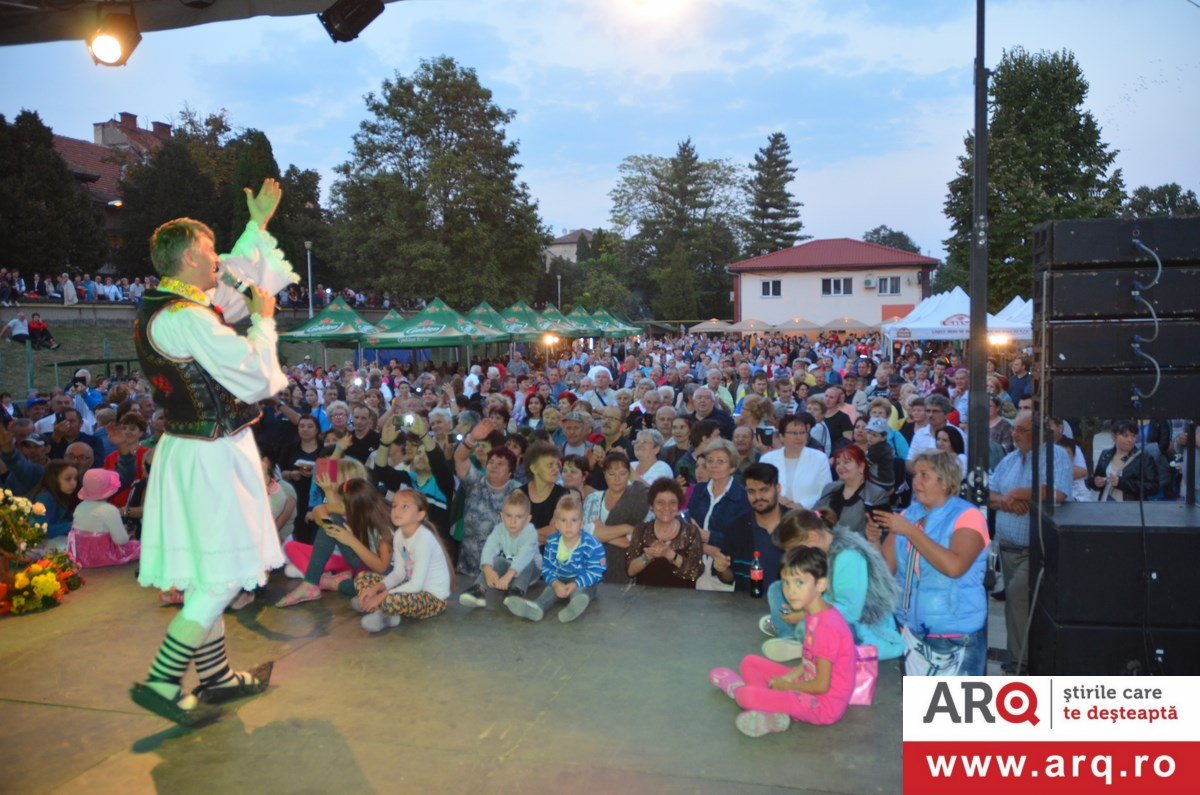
pixel 115 38
pixel 345 19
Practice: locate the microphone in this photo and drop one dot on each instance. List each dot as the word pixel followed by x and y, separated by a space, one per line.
pixel 235 283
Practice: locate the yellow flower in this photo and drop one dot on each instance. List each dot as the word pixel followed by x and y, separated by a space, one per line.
pixel 20 581
pixel 35 569
pixel 39 509
pixel 45 584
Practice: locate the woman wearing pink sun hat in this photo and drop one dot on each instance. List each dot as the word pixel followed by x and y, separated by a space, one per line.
pixel 98 536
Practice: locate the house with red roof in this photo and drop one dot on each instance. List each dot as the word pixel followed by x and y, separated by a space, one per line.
pixel 823 280
pixel 99 164
pixel 565 245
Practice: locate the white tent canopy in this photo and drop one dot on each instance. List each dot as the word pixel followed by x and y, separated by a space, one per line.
pixel 947 316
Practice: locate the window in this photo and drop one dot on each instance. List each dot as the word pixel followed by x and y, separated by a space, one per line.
pixel 837 286
pixel 889 285
pixel 772 288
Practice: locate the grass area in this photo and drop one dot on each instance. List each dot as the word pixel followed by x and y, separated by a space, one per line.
pixel 88 342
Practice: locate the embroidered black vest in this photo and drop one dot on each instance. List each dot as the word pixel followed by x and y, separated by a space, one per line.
pixel 195 403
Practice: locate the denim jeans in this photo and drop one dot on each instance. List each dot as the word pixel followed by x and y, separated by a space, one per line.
pixel 965 655
pixel 521 580
pixel 548 597
pixel 776 602
pixel 323 547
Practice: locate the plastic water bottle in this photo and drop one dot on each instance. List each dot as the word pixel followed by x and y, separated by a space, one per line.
pixel 756 577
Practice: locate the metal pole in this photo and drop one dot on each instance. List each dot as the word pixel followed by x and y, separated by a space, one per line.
pixel 977 410
pixel 29 365
pixel 560 291
pixel 308 250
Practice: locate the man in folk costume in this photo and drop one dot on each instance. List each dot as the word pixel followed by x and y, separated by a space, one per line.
pixel 207 527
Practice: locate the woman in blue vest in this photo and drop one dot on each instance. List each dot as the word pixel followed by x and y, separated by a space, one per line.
pixel 937 550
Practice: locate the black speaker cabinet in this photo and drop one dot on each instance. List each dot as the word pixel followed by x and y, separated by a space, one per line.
pixel 1101 568
pixel 1065 649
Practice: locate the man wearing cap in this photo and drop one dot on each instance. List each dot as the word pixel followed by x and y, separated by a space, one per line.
pixel 575 427
pixel 207 527
pixel 24 460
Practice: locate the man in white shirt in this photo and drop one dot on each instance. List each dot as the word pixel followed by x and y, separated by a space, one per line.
pixel 600 396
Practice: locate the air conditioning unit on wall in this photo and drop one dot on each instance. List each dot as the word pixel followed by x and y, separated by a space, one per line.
pixel 869 284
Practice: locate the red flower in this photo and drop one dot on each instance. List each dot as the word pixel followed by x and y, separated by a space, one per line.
pixel 163 385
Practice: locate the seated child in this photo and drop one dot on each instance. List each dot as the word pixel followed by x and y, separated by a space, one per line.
pixel 511 560
pixel 572 565
pixel 98 536
pixel 817 691
pixel 860 587
pixel 354 521
pixel 418 584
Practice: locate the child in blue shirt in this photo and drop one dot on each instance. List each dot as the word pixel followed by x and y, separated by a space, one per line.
pixel 572 566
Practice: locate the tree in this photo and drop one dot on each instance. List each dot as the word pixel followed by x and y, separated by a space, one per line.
pixel 683 213
pixel 429 202
pixel 1165 201
pixel 254 162
pixel 773 219
pixel 886 236
pixel 49 222
pixel 600 282
pixel 300 218
pixel 1047 162
pixel 583 250
pixel 169 185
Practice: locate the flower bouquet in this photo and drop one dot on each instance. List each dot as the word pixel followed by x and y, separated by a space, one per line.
pixel 41 584
pixel 18 533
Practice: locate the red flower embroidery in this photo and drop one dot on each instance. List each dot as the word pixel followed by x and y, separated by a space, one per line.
pixel 163 385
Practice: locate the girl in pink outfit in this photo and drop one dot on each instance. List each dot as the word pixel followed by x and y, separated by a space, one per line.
pixel 817 691
pixel 98 536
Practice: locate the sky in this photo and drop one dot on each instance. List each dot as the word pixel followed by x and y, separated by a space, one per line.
pixel 874 96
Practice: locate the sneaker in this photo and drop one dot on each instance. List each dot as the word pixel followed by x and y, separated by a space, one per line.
pixel 330 581
pixel 523 608
pixel 379 621
pixel 754 723
pixel 472 598
pixel 304 592
pixel 354 605
pixel 575 607
pixel 767 626
pixel 782 649
pixel 726 680
pixel 291 572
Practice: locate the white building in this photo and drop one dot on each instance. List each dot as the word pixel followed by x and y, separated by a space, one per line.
pixel 826 280
pixel 565 245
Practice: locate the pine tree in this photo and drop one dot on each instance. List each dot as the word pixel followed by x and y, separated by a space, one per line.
pixel 49 222
pixel 255 162
pixel 773 219
pixel 1046 162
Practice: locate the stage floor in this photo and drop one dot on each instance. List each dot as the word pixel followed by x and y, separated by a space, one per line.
pixel 466 702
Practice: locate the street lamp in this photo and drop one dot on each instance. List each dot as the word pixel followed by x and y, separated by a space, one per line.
pixel 308 249
pixel 559 290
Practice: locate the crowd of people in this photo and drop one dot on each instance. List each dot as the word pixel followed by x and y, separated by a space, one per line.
pixel 685 462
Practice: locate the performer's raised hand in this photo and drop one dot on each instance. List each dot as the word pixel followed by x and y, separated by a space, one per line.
pixel 261 303
pixel 263 206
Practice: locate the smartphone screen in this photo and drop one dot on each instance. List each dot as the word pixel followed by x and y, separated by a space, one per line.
pixel 327 467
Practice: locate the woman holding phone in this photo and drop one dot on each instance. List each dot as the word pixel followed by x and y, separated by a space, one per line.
pixel 844 503
pixel 938 551
pixel 297 462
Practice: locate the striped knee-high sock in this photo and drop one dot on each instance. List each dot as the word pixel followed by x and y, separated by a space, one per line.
pixel 212 666
pixel 171 663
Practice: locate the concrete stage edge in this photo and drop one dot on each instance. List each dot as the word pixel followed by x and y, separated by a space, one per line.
pixel 466 702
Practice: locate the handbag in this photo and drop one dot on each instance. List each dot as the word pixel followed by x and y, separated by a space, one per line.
pixel 866 674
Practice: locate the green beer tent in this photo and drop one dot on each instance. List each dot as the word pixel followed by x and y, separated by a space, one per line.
pixel 436 326
pixel 555 322
pixel 335 323
pixel 580 317
pixel 484 315
pixel 521 322
pixel 390 320
pixel 612 326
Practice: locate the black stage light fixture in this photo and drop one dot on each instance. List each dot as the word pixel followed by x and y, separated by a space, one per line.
pixel 345 19
pixel 115 38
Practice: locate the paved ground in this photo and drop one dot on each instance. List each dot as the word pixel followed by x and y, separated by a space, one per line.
pixel 466 702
